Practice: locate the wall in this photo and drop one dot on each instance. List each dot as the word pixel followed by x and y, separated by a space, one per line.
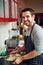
pixel 37 5
pixel 4 34
pixel 6 26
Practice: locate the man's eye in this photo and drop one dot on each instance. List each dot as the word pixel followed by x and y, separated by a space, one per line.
pixel 27 16
pixel 23 17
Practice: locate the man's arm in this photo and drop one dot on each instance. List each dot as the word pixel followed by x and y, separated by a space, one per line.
pixel 18 49
pixel 30 55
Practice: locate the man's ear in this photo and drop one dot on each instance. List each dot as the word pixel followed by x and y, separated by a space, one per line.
pixel 34 16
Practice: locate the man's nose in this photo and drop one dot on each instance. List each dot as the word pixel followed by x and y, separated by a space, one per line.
pixel 25 18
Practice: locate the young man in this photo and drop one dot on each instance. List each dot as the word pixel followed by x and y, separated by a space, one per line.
pixel 33 56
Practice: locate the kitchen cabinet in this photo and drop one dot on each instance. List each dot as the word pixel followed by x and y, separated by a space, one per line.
pixel 8 10
pixel 39 19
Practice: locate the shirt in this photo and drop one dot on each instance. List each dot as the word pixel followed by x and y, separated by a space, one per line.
pixel 37 38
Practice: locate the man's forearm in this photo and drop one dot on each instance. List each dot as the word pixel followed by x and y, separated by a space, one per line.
pixel 21 49
pixel 30 55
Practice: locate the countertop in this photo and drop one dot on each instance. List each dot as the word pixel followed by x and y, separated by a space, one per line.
pixel 4 62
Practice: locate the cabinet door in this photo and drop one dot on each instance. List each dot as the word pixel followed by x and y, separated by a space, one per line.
pixel 1 9
pixel 8 11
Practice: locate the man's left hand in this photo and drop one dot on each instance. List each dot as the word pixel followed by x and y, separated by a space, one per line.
pixel 18 60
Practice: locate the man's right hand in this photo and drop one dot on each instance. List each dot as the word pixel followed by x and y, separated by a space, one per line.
pixel 14 52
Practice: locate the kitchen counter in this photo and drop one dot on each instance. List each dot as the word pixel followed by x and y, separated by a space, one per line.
pixel 4 62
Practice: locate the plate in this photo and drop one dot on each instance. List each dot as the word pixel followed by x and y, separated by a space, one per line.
pixel 12 57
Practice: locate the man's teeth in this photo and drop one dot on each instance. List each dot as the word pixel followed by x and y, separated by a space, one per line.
pixel 27 23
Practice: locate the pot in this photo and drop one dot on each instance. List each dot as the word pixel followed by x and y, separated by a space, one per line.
pixel 12 43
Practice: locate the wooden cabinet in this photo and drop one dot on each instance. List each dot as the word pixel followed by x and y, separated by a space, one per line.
pixel 39 18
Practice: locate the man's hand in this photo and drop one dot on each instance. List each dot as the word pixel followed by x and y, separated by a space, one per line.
pixel 18 60
pixel 13 52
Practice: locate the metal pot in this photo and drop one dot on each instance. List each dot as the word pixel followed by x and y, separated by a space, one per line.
pixel 12 42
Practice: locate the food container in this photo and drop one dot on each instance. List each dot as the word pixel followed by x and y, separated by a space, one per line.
pixel 12 57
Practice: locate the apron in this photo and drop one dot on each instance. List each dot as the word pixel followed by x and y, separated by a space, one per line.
pixel 29 45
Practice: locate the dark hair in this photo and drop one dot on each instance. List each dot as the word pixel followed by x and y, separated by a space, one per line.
pixel 27 9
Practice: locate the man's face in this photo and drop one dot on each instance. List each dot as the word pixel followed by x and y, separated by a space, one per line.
pixel 27 18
